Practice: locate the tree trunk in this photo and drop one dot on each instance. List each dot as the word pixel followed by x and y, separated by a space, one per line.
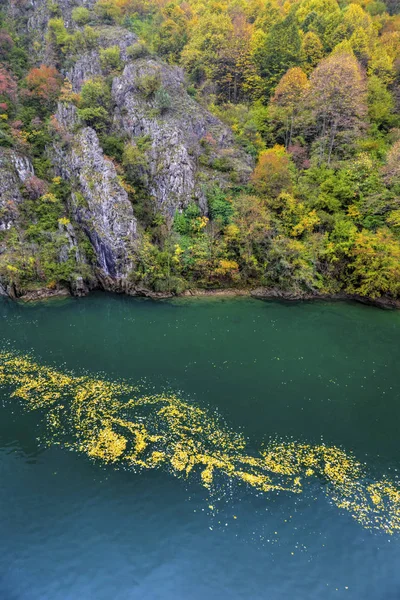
pixel 332 140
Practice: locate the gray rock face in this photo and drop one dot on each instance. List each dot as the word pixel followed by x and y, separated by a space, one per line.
pixel 14 170
pixel 175 174
pixel 99 203
pixel 40 12
pixel 187 149
pixel 87 66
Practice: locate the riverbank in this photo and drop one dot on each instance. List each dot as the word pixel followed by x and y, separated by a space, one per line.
pixel 260 292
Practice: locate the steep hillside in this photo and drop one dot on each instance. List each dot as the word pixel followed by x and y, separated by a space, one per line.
pixel 158 147
pixel 135 149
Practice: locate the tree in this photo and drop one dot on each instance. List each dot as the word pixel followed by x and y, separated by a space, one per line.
pixel 249 233
pixel 110 59
pixel 58 36
pixel 272 173
pixel 375 264
pixel 380 103
pixel 282 51
pixel 108 11
pixel 286 103
pixel 382 65
pixel 235 65
pixel 44 83
pixel 338 100
pixel 311 51
pixel 209 40
pixel 354 18
pixel 320 17
pixel 391 170
pixel 173 32
pixel 95 98
pixel 8 85
pixel 6 44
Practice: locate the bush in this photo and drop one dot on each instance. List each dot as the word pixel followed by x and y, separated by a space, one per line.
pixel 222 164
pixel 110 58
pixel 220 207
pixel 94 93
pixel 137 50
pixel 81 15
pixel 162 100
pixel 94 103
pixel 96 117
pixel 107 11
pixel 149 84
pixel 113 146
pixel 58 35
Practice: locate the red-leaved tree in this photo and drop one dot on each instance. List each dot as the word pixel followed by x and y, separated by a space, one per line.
pixel 44 83
pixel 8 85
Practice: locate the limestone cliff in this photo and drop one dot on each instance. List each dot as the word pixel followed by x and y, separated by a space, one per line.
pixel 182 149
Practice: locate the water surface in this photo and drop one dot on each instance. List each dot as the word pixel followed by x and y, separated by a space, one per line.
pixel 317 372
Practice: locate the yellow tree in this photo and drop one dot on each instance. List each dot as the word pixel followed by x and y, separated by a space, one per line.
pixel 272 174
pixel 286 103
pixel 375 264
pixel 210 38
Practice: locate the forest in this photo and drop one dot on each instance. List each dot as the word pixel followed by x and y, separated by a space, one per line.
pixel 311 92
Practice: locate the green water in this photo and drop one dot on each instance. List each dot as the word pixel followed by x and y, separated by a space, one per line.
pixel 72 528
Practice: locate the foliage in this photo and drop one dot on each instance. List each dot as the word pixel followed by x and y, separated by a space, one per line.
pixel 81 15
pixel 272 173
pixel 162 100
pixel 110 58
pixel 310 89
pixel 95 98
pixel 44 83
pixel 149 83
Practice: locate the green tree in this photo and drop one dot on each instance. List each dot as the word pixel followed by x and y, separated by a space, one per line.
pixel 282 51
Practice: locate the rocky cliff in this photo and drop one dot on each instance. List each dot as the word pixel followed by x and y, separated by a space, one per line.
pixel 171 150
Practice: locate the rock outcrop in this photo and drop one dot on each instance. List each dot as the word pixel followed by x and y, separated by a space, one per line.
pixel 99 203
pixel 14 170
pixel 186 152
pixel 185 139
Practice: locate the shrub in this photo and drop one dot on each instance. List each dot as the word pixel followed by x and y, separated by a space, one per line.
pixel 162 100
pixel 94 103
pixel 107 11
pixel 95 117
pixel 272 174
pixel 132 156
pixel 149 84
pixel 58 35
pixel 110 58
pixel 222 164
pixel 137 50
pixel 81 15
pixel 113 146
pixel 90 36
pixel 94 93
pixel 220 206
pixel 44 83
pixel 35 187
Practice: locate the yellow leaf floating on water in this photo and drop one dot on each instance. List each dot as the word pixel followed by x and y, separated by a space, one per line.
pixel 108 446
pixel 110 421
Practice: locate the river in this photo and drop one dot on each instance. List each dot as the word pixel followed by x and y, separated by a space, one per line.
pixel 263 465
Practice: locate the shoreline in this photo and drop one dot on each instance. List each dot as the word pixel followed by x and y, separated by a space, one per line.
pixel 258 293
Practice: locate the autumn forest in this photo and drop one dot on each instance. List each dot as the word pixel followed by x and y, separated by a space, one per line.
pixel 311 92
